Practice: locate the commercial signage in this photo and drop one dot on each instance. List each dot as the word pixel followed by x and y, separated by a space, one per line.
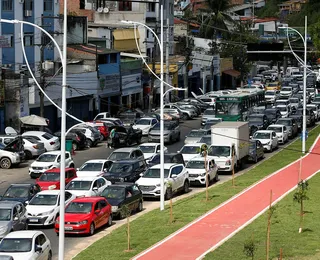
pixel 5 41
pixel 109 84
pixel 131 84
pixel 228 98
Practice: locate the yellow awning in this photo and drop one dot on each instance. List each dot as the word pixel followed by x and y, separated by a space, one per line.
pixel 173 68
pixel 124 39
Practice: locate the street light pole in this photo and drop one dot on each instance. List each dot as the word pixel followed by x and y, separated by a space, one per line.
pixel 304 122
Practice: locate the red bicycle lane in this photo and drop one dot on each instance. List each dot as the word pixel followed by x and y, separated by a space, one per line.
pixel 215 227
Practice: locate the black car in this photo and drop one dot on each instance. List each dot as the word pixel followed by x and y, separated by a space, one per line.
pixel 273 114
pixel 123 194
pixel 310 116
pixel 256 150
pixel 21 192
pixel 258 120
pixel 126 138
pixel 168 158
pixel 125 171
pixel 79 140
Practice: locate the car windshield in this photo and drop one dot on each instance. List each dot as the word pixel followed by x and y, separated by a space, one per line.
pixel 17 192
pixel 16 245
pixel 279 103
pixel 119 155
pixel 5 214
pixel 190 150
pixel 255 119
pixel 143 122
pixel 47 158
pixel 286 89
pixel 277 129
pixel 228 108
pixel 270 93
pixel 44 200
pixel 157 126
pixel 91 167
pixel 114 192
pixel 205 139
pixel 155 173
pixel 79 207
pixel 293 100
pixel 121 167
pixel 209 112
pixel 283 122
pixel 260 135
pixel 195 164
pixel 79 185
pixel 147 148
pixel 219 151
pixel 196 133
pixel 50 176
pixel 272 84
pixel 282 109
pixel 271 111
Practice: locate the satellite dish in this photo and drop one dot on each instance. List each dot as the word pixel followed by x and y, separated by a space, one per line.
pixel 100 9
pixel 10 131
pixel 106 10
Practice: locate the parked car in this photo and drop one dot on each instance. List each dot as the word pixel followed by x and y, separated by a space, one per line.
pixel 102 127
pixel 315 109
pixel 284 110
pixel 125 171
pixel 168 158
pixel 186 112
pixel 51 143
pixel 50 180
pixel 14 144
pixel 79 140
pixel 195 135
pixel 32 244
pixel 268 139
pixel 22 192
pixel 291 125
pixel 151 149
pixel 12 217
pixel 113 120
pixel 171 132
pixel 171 114
pixel 297 115
pixel 203 106
pixel 121 195
pixel 85 215
pixel 145 124
pixel 271 95
pixel 310 115
pixel 127 138
pixel 189 151
pixel 8 157
pixel 87 186
pixel 102 115
pixel 43 208
pixel 260 121
pixel 49 160
pixel 32 147
pixel 93 135
pixel 281 132
pixel 126 154
pixel 176 174
pixel 273 114
pixel 209 113
pixel 196 168
pixel 256 151
pixel 94 168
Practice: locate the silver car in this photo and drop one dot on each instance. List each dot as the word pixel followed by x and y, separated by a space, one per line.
pixel 32 147
pixel 195 135
pixel 12 217
pixel 208 114
pixel 171 132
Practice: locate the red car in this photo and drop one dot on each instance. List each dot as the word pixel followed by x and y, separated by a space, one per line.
pixel 50 180
pixel 84 215
pixel 102 127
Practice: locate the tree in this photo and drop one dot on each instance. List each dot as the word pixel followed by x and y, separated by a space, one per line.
pixel 249 248
pixel 126 213
pixel 204 152
pixel 300 196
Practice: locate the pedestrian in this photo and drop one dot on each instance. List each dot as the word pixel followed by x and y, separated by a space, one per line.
pixel 112 136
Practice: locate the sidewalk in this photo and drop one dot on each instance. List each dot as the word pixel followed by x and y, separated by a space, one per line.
pixel 208 232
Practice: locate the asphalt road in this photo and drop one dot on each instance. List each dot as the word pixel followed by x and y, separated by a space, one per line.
pixel 20 175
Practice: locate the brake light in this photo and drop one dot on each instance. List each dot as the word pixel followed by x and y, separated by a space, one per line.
pixel 52 143
pixel 35 146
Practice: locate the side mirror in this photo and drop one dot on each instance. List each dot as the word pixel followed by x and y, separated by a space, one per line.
pixel 141 174
pixel 38 249
pixel 173 176
pixel 77 169
pixel 27 202
pixel 97 211
pixel 105 169
pixel 95 188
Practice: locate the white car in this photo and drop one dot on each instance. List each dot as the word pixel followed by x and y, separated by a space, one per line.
pixel 149 150
pixel 271 95
pixel 93 168
pixel 176 174
pixel 197 170
pixel 268 139
pixel 32 147
pixel 286 92
pixel 281 132
pixel 43 208
pixel 145 124
pixel 7 158
pixel 87 186
pixel 25 245
pixel 316 110
pixel 48 160
pixel 189 151
pixel 51 143
pixel 284 110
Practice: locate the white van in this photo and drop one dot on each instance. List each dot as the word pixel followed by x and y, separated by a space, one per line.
pixel 290 70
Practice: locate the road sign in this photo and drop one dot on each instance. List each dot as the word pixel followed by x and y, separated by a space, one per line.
pixel 306 135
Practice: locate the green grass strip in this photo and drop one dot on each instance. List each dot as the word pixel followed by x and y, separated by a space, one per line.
pixel 154 226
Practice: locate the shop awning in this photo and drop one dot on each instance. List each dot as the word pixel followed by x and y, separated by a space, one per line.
pixel 232 73
pixel 124 39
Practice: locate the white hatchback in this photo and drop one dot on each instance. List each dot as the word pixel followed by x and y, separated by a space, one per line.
pixel 93 168
pixel 268 139
pixel 190 151
pixel 281 132
pixel 145 124
pixel 27 244
pixel 149 150
pixel 51 143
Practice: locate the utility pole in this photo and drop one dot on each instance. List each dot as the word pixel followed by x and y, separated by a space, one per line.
pixel 186 64
pixel 154 53
pixel 167 54
pixel 42 83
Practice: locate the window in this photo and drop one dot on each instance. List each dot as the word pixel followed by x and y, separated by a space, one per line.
pixel 6 40
pixel 113 58
pixel 102 59
pixel 102 203
pixel 48 5
pixel 176 170
pixel 125 6
pixel 41 239
pixel 101 182
pixel 82 4
pixel 28 5
pixel 151 7
pixel 67 155
pixel 95 184
pixel 28 40
pixel 7 5
pixel 68 196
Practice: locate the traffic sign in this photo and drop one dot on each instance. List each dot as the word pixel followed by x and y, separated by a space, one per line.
pixel 306 135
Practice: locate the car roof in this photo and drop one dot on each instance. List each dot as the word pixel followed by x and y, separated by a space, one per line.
pixel 121 184
pixel 6 203
pixel 149 144
pixel 276 125
pixel 285 118
pixel 57 170
pixel 194 144
pixel 86 178
pixel 146 117
pixel 87 199
pixel 165 165
pixel 264 131
pixel 22 184
pixel 54 152
pixel 49 192
pixel 97 161
pixel 281 106
pixel 23 234
pixel 126 149
pixel 128 161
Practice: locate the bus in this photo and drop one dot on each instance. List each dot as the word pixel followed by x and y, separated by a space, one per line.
pixel 236 106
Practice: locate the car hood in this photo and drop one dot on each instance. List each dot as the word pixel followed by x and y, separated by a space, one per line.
pixel 148 155
pixel 148 181
pixel 114 201
pixel 48 185
pixel 285 92
pixel 157 132
pixel 70 217
pixel 80 193
pixel 264 141
pixel 37 209
pixel 269 96
pixel 195 171
pixel 22 200
pixel 16 256
pixel 88 173
pixel 41 164
pixel 141 127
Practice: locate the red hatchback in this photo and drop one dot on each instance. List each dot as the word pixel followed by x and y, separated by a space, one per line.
pixel 102 127
pixel 50 180
pixel 84 215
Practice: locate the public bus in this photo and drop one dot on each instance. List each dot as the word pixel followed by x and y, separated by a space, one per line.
pixel 236 106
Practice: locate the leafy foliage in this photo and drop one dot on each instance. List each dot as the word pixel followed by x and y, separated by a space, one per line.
pixel 301 193
pixel 271 9
pixel 249 248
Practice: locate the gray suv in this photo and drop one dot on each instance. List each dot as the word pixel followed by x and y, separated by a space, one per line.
pixel 171 132
pixel 291 124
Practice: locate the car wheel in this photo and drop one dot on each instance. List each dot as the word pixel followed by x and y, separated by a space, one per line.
pixel 110 220
pixel 74 146
pixel 92 229
pixel 186 187
pixel 28 155
pixel 140 206
pixel 50 255
pixel 89 143
pixel 129 142
pixel 170 140
pixel 5 163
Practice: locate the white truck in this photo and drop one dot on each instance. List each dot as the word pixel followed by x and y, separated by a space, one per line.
pixel 230 145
